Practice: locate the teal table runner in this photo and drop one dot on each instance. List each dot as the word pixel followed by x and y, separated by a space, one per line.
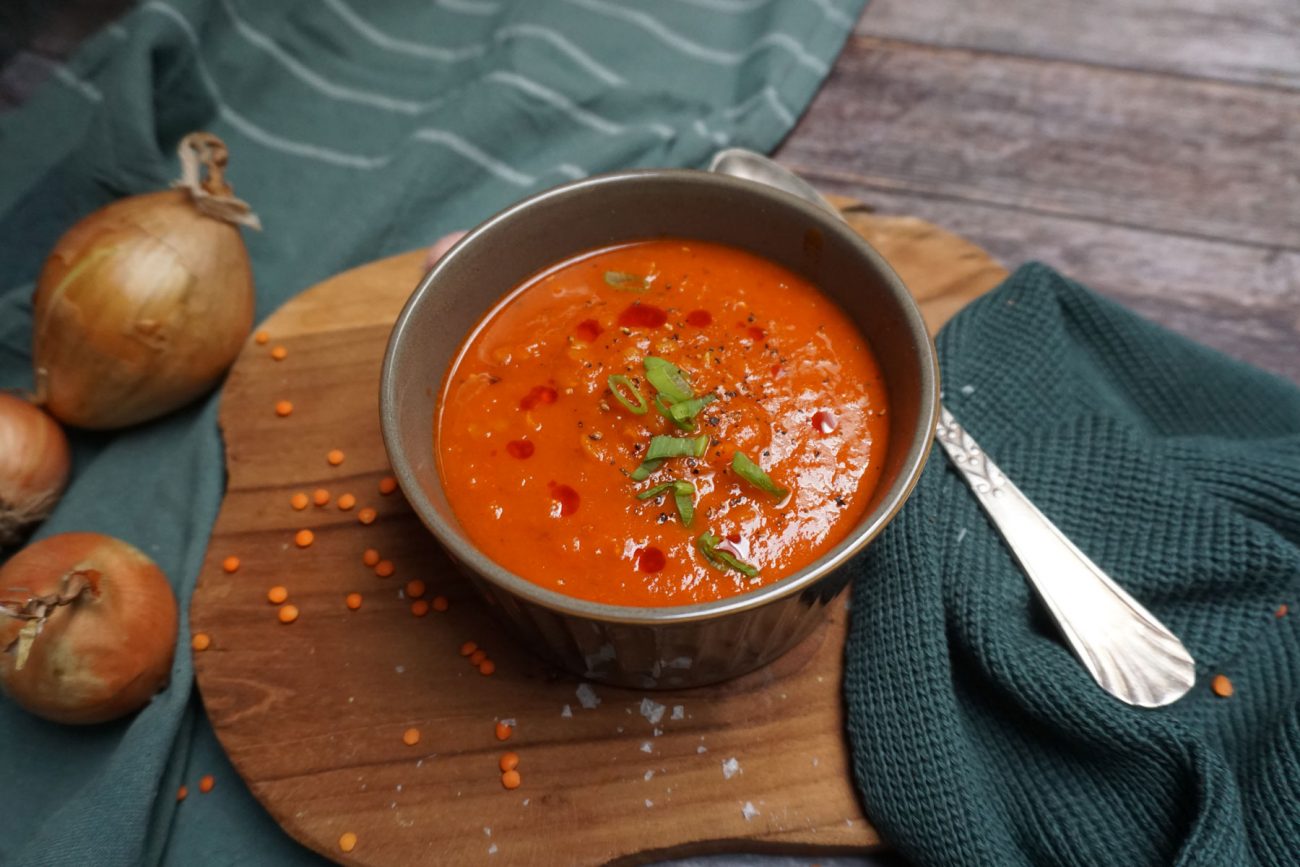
pixel 977 738
pixel 356 130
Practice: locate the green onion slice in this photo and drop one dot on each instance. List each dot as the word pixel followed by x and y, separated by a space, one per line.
pixel 708 545
pixel 622 387
pixel 683 494
pixel 641 473
pixel 625 282
pixel 687 410
pixel 665 410
pixel 668 379
pixel 677 447
pixel 753 473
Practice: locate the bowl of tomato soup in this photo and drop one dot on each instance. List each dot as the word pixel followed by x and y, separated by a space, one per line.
pixel 653 414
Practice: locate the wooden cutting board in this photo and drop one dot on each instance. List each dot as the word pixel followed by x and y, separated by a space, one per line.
pixel 313 713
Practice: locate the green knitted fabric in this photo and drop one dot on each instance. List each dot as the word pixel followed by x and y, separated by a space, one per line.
pixel 977 738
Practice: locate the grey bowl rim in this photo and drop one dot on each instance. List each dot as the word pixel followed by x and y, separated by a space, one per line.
pixel 464 551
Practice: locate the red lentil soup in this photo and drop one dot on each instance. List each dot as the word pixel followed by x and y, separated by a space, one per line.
pixel 761 391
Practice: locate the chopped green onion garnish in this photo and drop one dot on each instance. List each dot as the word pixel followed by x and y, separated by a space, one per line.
pixel 677 447
pixel 753 473
pixel 668 379
pixel 708 545
pixel 683 495
pixel 626 282
pixel 665 410
pixel 655 491
pixel 687 410
pixel 621 386
pixel 641 473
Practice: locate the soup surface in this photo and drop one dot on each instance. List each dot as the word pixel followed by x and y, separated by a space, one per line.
pixel 761 390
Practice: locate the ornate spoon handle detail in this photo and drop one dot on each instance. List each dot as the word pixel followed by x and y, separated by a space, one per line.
pixel 1127 651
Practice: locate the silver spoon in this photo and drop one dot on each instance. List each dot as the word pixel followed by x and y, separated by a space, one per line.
pixel 1126 650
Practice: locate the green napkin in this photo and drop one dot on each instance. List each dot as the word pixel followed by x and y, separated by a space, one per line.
pixel 356 130
pixel 977 738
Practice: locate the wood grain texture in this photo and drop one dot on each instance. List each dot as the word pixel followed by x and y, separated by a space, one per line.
pixel 1153 152
pixel 1241 300
pixel 312 714
pixel 1251 41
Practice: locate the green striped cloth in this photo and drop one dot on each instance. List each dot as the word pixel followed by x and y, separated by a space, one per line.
pixel 356 130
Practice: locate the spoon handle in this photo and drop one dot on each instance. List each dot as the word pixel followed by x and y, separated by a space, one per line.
pixel 1127 651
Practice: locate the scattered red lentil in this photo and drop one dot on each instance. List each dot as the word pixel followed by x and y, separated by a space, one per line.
pixel 201 641
pixel 511 779
pixel 503 734
pixel 279 353
pixel 414 588
pixel 261 338
pixel 182 792
pixel 367 515
pixel 320 497
pixel 288 613
pixel 304 538
pixel 411 737
pixel 487 667
pixel 299 501
pixel 384 568
pixel 477 656
pixel 509 761
pixel 387 485
pixel 353 601
pixel 1221 685
pixel 347 501
pixel 283 408
pixel 468 648
pixel 440 603
pixel 370 557
pixel 230 564
pixel 206 782
pixel 335 457
pixel 277 595
pixel 419 608
pixel 1281 611
pixel 347 841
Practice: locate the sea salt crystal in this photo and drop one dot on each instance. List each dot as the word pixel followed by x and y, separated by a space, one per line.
pixel 587 696
pixel 649 775
pixel 749 811
pixel 652 710
pixel 730 768
pixel 510 722
pixel 401 669
pixel 649 803
pixel 658 731
pixel 487 831
pixel 679 712
pixel 566 712
pixel 646 748
pixel 492 850
pixel 701 749
pixel 526 800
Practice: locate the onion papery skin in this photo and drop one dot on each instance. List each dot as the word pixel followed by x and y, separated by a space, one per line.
pixel 141 307
pixel 101 656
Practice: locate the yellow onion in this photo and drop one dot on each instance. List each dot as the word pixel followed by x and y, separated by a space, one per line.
pixel 144 304
pixel 87 628
pixel 34 463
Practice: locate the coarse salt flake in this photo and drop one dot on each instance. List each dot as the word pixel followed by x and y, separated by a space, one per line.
pixel 730 768
pixel 652 710
pixel 587 696
pixel 646 748
pixel 749 811
pixel 679 712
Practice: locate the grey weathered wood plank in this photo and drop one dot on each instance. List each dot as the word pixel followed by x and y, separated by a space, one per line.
pixel 1169 154
pixel 1242 300
pixel 1235 40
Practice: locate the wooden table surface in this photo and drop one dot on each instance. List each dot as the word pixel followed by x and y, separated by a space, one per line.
pixel 1147 148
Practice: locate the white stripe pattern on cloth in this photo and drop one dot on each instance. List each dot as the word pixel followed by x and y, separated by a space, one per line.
pixel 402 46
pixel 829 10
pixel 568 107
pixel 449 140
pixel 66 76
pixel 469 7
pixel 586 61
pixel 686 46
